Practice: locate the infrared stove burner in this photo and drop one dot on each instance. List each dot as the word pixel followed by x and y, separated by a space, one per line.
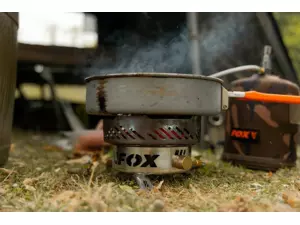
pixel 151 144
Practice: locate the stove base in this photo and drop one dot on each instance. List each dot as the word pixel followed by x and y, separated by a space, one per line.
pixel 152 160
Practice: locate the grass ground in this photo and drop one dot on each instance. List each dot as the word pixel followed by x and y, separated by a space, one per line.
pixel 38 178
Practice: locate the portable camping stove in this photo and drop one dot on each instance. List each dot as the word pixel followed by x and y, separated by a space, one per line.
pixel 151 119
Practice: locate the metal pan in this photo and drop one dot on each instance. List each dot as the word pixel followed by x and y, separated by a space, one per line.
pixel 155 93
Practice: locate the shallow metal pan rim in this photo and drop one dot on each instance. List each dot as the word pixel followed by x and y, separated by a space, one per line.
pixel 157 75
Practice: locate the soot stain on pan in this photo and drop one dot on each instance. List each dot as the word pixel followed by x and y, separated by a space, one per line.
pixel 101 95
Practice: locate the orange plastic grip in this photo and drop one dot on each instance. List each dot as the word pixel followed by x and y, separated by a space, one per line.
pixel 258 96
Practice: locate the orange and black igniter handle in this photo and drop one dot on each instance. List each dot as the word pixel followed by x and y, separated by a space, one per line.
pixel 264 97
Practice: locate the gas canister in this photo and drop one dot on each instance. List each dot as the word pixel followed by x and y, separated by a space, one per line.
pixel 259 135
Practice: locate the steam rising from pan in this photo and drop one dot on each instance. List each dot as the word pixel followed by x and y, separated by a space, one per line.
pixel 220 34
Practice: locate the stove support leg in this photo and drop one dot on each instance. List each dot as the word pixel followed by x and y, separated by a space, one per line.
pixel 143 181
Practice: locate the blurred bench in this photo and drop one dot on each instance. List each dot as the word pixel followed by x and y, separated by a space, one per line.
pixel 59 66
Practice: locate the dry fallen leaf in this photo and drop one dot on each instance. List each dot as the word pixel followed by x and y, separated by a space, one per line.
pixel 80 152
pixel 285 195
pixel 30 181
pixel 270 174
pixel 291 198
pixel 105 158
pixel 70 200
pixel 83 160
pixel 158 187
pixel 30 188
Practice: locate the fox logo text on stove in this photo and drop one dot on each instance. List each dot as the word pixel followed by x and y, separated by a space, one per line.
pixel 246 135
pixel 135 160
